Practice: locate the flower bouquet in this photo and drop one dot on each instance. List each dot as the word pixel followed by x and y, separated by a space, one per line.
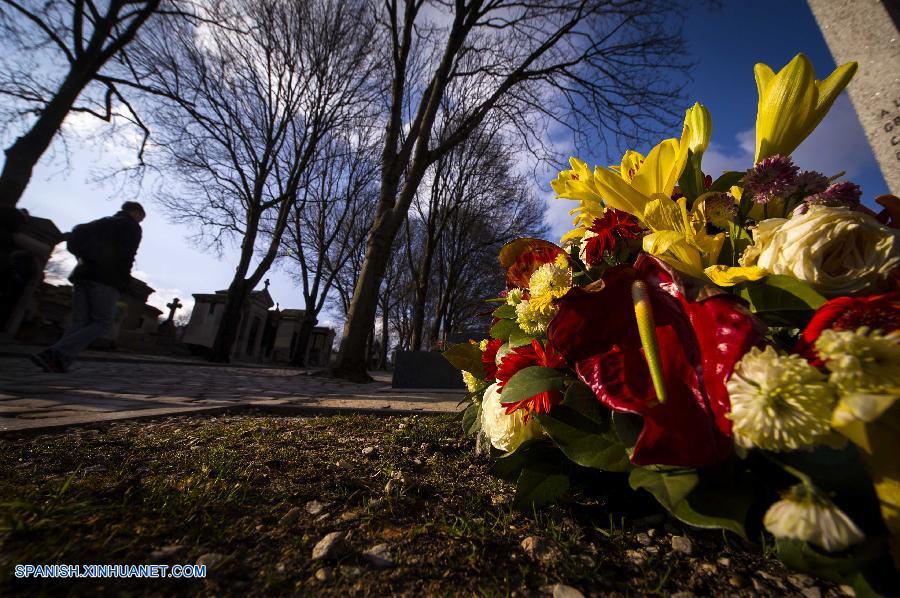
pixel 731 346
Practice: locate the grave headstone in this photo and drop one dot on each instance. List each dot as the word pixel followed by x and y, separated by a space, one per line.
pixel 425 370
pixel 867 31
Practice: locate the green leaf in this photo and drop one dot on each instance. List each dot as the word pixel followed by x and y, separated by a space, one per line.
pixel 779 293
pixel 710 500
pixel 691 181
pixel 736 242
pixel 519 338
pixel 628 427
pixel 471 419
pixel 503 329
pixel 507 312
pixel 850 568
pixel 466 357
pixel 540 482
pixel 729 179
pixel 530 381
pixel 582 429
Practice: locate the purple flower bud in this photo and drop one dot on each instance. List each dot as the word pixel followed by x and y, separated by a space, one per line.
pixel 839 194
pixel 810 182
pixel 771 178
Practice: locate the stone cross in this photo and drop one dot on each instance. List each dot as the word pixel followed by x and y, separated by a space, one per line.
pixel 176 304
pixel 266 282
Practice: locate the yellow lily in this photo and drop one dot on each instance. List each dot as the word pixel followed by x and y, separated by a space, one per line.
pixel 698 119
pixel 655 178
pixel 578 183
pixel 679 237
pixel 793 102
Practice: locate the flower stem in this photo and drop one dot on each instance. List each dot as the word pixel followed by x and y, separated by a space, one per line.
pixel 807 481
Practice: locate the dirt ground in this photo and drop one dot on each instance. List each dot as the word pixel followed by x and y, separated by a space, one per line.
pixel 416 513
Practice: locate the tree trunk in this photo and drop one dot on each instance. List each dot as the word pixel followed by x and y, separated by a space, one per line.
pixel 231 319
pixel 351 361
pixel 385 334
pixel 24 153
pixel 306 328
pixel 438 317
pixel 422 280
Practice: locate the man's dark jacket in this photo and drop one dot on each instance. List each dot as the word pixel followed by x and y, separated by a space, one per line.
pixel 116 241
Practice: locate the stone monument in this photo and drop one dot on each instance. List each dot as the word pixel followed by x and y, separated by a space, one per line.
pixel 867 31
pixel 167 327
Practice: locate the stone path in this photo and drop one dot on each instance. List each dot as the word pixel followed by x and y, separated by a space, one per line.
pixel 97 391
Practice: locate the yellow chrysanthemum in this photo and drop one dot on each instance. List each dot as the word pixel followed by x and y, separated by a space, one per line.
pixel 778 402
pixel 532 319
pixel 472 383
pixel 514 296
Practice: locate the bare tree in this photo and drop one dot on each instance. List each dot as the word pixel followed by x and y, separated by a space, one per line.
pixel 575 63
pixel 459 177
pixel 58 58
pixel 328 223
pixel 240 115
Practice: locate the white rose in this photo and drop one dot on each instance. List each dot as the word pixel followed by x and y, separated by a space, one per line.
pixel 836 250
pixel 506 432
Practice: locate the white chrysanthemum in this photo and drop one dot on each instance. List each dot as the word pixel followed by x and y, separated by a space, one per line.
pixel 778 402
pixel 472 383
pixel 506 432
pixel 862 361
pixel 550 280
pixel 514 296
pixel 806 514
pixel 532 318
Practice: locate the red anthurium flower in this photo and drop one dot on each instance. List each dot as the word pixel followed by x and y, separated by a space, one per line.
pixel 520 258
pixel 849 313
pixel 699 343
pixel 489 358
pixel 614 224
pixel 527 356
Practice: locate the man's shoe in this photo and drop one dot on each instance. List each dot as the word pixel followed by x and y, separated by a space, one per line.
pixel 40 360
pixel 48 362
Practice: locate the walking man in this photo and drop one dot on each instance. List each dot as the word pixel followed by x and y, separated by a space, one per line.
pixel 105 249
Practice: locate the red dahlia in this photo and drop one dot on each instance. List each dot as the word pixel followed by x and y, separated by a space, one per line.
pixel 527 356
pixel 880 312
pixel 614 224
pixel 489 358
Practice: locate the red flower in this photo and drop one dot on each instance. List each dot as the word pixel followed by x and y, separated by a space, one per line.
pixel 520 258
pixel 613 224
pixel 527 356
pixel 699 343
pixel 489 358
pixel 849 313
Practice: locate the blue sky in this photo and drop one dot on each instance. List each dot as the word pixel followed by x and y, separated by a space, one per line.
pixel 724 42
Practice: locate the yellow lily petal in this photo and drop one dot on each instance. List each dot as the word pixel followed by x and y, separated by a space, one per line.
pixel 631 163
pixel 727 276
pixel 575 233
pixel 662 167
pixel 619 194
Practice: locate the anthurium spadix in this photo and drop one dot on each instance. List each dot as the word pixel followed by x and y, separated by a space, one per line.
pixel 792 102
